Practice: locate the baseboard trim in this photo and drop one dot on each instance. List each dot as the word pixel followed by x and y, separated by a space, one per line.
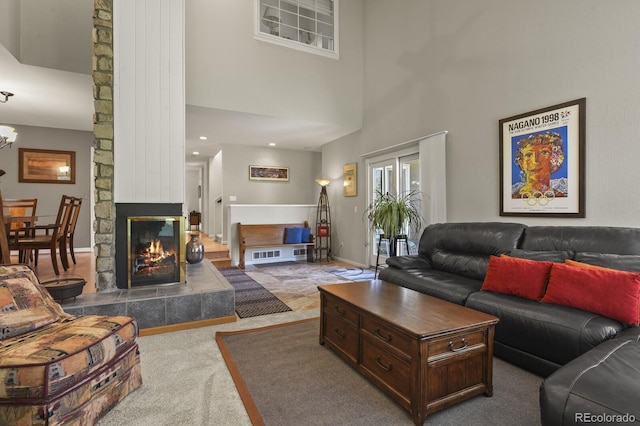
pixel 342 259
pixel 186 325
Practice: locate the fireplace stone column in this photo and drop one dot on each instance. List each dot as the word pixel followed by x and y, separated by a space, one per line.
pixel 139 122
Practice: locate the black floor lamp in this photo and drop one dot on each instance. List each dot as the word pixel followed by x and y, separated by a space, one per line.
pixel 323 222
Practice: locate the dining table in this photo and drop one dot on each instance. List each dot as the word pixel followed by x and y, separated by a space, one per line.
pixel 5 252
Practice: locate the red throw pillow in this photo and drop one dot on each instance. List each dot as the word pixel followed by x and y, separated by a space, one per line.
pixel 519 277
pixel 607 292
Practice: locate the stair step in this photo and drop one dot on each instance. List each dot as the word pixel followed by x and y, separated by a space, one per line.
pixel 223 262
pixel 216 254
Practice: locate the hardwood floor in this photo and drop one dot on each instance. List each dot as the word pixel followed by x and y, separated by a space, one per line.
pixel 295 285
pixel 85 266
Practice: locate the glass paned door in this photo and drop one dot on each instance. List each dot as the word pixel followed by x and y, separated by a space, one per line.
pixel 383 179
pixel 410 185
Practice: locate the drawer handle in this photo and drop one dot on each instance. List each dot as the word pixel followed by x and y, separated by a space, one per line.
pixel 381 365
pixel 464 345
pixel 339 312
pixel 386 338
pixel 340 333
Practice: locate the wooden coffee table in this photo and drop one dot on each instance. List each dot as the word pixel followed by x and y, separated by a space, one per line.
pixel 426 353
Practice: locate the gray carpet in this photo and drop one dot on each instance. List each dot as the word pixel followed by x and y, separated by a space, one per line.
pixel 293 380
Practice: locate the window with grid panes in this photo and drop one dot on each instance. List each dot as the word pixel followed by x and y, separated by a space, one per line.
pixel 309 25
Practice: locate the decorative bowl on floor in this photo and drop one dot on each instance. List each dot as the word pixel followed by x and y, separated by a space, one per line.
pixel 65 287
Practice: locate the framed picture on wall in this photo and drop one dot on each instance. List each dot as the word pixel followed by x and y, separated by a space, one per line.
pixel 350 178
pixel 275 173
pixel 542 162
pixel 46 166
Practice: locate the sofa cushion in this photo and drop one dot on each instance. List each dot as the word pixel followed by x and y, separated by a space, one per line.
pixel 519 277
pixel 23 307
pixel 551 332
pixel 38 294
pixel 49 360
pixel 594 239
pixel 443 285
pixel 305 235
pixel 622 262
pixel 292 235
pixel 602 382
pixel 611 293
pixel 464 248
pixel 548 256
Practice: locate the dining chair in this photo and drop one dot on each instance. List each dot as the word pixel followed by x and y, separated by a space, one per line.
pixel 22 214
pixel 5 252
pixel 52 236
pixel 67 242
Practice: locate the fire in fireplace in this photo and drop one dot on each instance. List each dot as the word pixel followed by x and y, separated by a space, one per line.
pixel 155 250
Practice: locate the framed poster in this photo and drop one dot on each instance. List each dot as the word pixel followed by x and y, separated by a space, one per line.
pixel 350 177
pixel 276 173
pixel 46 166
pixel 542 158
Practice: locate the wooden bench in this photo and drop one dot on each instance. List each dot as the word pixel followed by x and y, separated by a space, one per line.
pixel 269 235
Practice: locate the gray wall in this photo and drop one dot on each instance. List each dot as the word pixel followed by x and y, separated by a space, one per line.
pixel 247 75
pixel 304 168
pixel 49 194
pixel 462 65
pixel 10 26
pixel 53 34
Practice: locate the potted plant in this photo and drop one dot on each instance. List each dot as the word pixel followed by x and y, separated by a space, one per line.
pixel 393 214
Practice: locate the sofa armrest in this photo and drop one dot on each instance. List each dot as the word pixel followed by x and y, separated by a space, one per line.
pixel 408 262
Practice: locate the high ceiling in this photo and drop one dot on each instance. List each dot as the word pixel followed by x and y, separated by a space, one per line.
pixel 55 90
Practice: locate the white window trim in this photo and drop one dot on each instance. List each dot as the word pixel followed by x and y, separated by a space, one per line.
pixel 268 38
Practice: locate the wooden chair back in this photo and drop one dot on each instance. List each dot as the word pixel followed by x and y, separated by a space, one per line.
pixel 20 207
pixel 5 253
pixel 76 203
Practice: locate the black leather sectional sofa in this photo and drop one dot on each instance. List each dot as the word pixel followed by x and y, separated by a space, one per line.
pixel 591 363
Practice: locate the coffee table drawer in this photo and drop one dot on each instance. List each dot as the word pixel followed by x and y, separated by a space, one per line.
pixel 387 367
pixel 340 309
pixel 386 334
pixel 342 335
pixel 457 343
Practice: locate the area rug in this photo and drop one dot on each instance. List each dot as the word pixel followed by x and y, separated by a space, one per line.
pixel 354 274
pixel 285 377
pixel 296 284
pixel 252 299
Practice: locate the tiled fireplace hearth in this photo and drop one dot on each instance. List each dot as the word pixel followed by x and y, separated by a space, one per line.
pixel 166 291
pixel 206 295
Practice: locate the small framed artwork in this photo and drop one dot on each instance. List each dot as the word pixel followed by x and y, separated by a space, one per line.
pixel 350 177
pixel 274 173
pixel 542 162
pixel 46 166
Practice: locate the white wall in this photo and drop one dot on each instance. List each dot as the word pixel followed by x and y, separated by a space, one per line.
pixel 149 102
pixel 246 75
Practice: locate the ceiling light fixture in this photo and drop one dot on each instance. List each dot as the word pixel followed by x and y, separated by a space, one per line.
pixel 7 136
pixel 203 138
pixel 6 95
pixel 195 153
pixel 272 144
